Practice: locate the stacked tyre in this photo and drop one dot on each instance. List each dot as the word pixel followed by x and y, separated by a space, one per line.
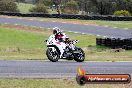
pixel 115 43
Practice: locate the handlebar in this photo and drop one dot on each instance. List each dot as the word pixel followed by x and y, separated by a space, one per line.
pixel 74 41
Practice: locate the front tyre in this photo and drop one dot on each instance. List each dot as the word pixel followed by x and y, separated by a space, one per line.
pixel 52 54
pixel 79 57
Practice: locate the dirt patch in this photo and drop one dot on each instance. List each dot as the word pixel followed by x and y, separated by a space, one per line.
pixel 25 28
pixel 14 49
pixel 74 22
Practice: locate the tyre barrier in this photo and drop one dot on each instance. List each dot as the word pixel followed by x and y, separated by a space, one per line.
pixel 115 43
pixel 69 16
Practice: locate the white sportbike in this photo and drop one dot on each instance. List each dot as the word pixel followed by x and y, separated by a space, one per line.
pixel 60 50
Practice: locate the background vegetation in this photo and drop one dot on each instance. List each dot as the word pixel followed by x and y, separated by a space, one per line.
pixel 8 5
pixel 24 7
pixel 40 8
pixel 122 13
pixel 85 7
pixel 71 7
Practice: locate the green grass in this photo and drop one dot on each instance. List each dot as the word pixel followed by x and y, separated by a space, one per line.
pixel 21 44
pixel 53 83
pixel 28 44
pixel 119 24
pixel 23 7
pixel 15 38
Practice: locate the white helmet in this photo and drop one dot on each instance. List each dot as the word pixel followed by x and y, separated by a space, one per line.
pixel 57 29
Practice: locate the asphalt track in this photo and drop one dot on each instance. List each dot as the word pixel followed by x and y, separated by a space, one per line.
pixel 47 69
pixel 81 28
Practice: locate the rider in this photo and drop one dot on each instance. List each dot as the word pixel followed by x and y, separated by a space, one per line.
pixel 59 35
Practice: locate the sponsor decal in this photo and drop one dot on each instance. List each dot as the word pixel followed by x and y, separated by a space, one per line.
pixel 83 78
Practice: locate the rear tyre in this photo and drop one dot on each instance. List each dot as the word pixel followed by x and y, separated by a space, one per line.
pixel 52 55
pixel 80 56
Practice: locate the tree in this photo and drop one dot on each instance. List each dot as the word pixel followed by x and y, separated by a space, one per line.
pixel 45 2
pixel 102 7
pixel 105 7
pixel 124 5
pixel 122 13
pixel 71 7
pixel 39 8
pixel 8 5
pixel 57 5
pixel 89 6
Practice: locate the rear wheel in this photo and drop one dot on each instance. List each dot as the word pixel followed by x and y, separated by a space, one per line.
pixel 52 54
pixel 79 57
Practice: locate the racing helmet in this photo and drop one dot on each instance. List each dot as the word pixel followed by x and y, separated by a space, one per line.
pixel 56 30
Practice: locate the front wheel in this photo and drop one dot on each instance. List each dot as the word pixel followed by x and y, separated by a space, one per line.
pixel 79 57
pixel 52 54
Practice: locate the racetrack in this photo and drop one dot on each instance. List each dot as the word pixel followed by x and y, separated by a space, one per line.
pixel 47 69
pixel 81 28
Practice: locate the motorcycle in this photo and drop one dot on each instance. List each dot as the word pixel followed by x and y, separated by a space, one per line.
pixel 60 50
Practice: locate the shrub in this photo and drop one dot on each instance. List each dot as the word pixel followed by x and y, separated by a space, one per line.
pixel 122 13
pixel 40 8
pixel 8 5
pixel 71 7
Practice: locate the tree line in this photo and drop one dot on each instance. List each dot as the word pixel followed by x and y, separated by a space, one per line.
pixel 101 7
pixel 86 7
pixel 98 7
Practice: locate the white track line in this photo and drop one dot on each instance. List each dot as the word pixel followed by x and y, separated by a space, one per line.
pixel 5 23
pixel 41 20
pixel 74 23
pixel 105 36
pixel 76 32
pixel 83 33
pixel 40 27
pixel 98 35
pixel 30 19
pixel 16 24
pixel 115 27
pixel 64 22
pixel 126 28
pixel 96 25
pixel 106 26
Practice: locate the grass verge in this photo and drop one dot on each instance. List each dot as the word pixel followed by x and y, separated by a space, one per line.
pixel 27 43
pixel 53 83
